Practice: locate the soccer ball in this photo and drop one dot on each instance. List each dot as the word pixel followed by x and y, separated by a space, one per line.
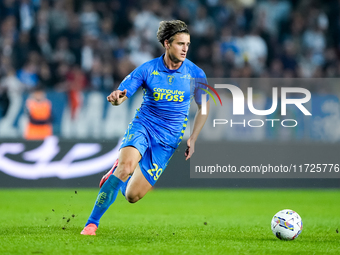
pixel 286 225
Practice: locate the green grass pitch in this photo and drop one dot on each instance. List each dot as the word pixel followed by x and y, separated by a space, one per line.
pixel 168 221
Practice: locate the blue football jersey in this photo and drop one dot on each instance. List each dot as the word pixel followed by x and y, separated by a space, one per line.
pixel 166 97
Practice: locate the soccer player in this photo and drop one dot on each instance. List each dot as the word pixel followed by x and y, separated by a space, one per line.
pixel 169 83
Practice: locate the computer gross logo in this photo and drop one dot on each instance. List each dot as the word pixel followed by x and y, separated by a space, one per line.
pixel 239 104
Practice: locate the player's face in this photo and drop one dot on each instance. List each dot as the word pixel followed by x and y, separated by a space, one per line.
pixel 178 49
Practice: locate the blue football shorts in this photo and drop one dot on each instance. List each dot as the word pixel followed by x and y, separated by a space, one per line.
pixel 155 155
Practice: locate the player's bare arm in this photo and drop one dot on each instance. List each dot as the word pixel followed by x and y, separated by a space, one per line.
pixel 199 122
pixel 117 97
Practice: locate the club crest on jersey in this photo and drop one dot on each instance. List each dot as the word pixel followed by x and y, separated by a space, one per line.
pixel 171 79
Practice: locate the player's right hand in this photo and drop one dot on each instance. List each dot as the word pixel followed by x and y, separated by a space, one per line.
pixel 117 97
pixel 190 148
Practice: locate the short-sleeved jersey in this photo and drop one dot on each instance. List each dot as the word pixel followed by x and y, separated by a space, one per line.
pixel 166 97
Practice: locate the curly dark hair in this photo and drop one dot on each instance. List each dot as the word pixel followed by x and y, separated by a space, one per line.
pixel 167 29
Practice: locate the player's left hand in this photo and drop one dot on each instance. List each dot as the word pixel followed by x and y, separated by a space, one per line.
pixel 190 149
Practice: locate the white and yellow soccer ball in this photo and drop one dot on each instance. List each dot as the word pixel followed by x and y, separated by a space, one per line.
pixel 286 225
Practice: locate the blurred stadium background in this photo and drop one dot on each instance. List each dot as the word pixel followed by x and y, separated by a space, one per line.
pixel 79 51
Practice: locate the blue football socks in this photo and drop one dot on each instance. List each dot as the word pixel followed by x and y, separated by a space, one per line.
pixel 107 195
pixel 123 187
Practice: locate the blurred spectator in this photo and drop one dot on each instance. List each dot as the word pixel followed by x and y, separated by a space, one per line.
pixel 62 52
pixel 7 46
pixel 76 82
pixel 45 77
pixel 221 12
pixel 42 26
pixel 255 51
pixel 87 53
pixel 96 75
pixel 124 68
pixel 8 8
pixel 306 65
pixel 108 78
pixel 60 77
pixel 5 65
pixel 295 30
pixel 203 25
pixel 289 57
pixel 4 101
pixel 231 50
pixel 74 36
pixel 191 7
pixel 58 19
pixel 108 39
pixel 146 21
pixel 141 55
pixel 44 47
pixel 330 63
pixel 89 20
pixel 26 15
pixel 315 42
pixel 11 83
pixel 22 49
pixel 9 29
pixel 28 75
pixel 268 38
pixel 271 13
pixel 276 69
pixel 101 76
pixel 39 110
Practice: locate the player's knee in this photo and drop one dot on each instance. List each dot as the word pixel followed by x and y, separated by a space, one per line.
pixel 124 169
pixel 132 198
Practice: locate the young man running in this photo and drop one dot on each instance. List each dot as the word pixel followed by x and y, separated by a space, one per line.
pixel 169 83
